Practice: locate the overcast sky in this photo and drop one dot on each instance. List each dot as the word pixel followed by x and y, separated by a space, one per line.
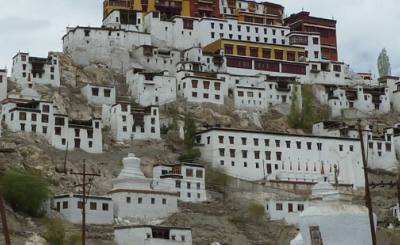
pixel 364 26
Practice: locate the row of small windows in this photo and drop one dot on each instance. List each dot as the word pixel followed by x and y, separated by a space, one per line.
pixel 106 92
pixel 178 184
pixel 189 173
pixel 256 142
pixel 79 205
pixel 248 29
pixel 142 130
pixel 248 38
pixel 152 200
pixel 290 207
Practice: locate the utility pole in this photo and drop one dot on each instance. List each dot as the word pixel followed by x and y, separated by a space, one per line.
pixel 367 193
pixel 337 171
pixel 4 221
pixel 84 183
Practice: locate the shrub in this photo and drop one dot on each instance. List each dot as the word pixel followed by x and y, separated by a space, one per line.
pixel 24 192
pixel 189 131
pixel 55 231
pixel 190 155
pixel 256 211
pixel 218 178
pixel 74 239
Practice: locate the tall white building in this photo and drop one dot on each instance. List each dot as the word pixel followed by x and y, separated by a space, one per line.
pixel 3 84
pixel 151 88
pixel 28 70
pixel 187 179
pixel 258 155
pixel 128 123
pixel 43 118
pixel 135 197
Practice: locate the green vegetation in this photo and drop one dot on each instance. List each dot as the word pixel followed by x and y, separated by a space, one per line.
pixel 256 211
pixel 217 178
pixel 189 131
pixel 309 113
pixel 190 155
pixel 74 239
pixel 55 231
pixel 25 192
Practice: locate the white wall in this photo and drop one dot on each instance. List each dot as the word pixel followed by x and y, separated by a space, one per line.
pixel 3 84
pixel 142 235
pixel 294 165
pixel 101 97
pixel 22 70
pixel 284 214
pixel 73 214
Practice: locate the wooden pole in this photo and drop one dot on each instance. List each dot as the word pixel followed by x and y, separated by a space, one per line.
pixel 367 193
pixel 4 221
pixel 84 205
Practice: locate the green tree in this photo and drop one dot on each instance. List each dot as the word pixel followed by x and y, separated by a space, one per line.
pixel 24 192
pixel 55 231
pixel 190 155
pixel 384 64
pixel 294 117
pixel 256 211
pixel 307 117
pixel 218 179
pixel 189 131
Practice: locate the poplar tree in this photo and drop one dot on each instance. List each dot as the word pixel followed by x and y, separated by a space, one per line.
pixel 384 64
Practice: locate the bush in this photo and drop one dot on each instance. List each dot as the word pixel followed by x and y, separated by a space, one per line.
pixel 74 239
pixel 218 178
pixel 24 192
pixel 190 155
pixel 55 231
pixel 256 211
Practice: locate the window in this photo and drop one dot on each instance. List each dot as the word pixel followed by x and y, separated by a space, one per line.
pixel 205 96
pixel 277 143
pixel 231 140
pixel 22 127
pixel 65 204
pixel 107 92
pixel 244 139
pixel 22 116
pixel 188 185
pixel 256 154
pixel 189 172
pixel 77 132
pixel 388 146
pixel 228 49
pixel 266 142
pixel 153 200
pixel 254 51
pixel 298 143
pixel 351 148
pixel 128 199
pixel 46 108
pixel 241 50
pixel 290 207
pixel 90 144
pixel 57 130
pixel 194 94
pixel 278 54
pixel 316 54
pixel 267 155
pixel 217 86
pixel 221 152
pixel 319 146
pixel 178 184
pixel 93 206
pixel 337 68
pixel 244 153
pixel 206 84
pixel 105 206
pixel 199 173
pixel 279 156
pixel 255 142
pixel 63 141
pixel 44 129
pixel 279 207
pixel 164 201
pixel 340 147
pixel 309 145
pixel 87 33
pixel 95 91
pixel 300 207
pixel 291 56
pixel 33 128
pixel 194 83
pixel 266 53
pixel 315 40
pixel 287 144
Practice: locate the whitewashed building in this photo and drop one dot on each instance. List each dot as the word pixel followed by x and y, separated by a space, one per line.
pixel 332 219
pixel 124 19
pixel 109 46
pixel 287 210
pixel 328 72
pixel 128 123
pixel 99 209
pixel 3 84
pixel 151 88
pixel 187 179
pixel 134 195
pixel 99 95
pixel 311 43
pixel 362 98
pixel 380 149
pixel 201 87
pixel 393 84
pixel 28 70
pixel 43 118
pixel 152 235
pixel 257 155
pixel 156 59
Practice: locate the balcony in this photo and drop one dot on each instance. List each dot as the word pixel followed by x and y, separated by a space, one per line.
pixel 117 4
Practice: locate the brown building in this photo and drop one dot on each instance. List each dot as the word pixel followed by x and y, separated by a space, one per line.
pixel 303 22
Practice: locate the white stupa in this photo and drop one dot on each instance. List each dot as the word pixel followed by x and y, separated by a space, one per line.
pixel 131 176
pixel 332 220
